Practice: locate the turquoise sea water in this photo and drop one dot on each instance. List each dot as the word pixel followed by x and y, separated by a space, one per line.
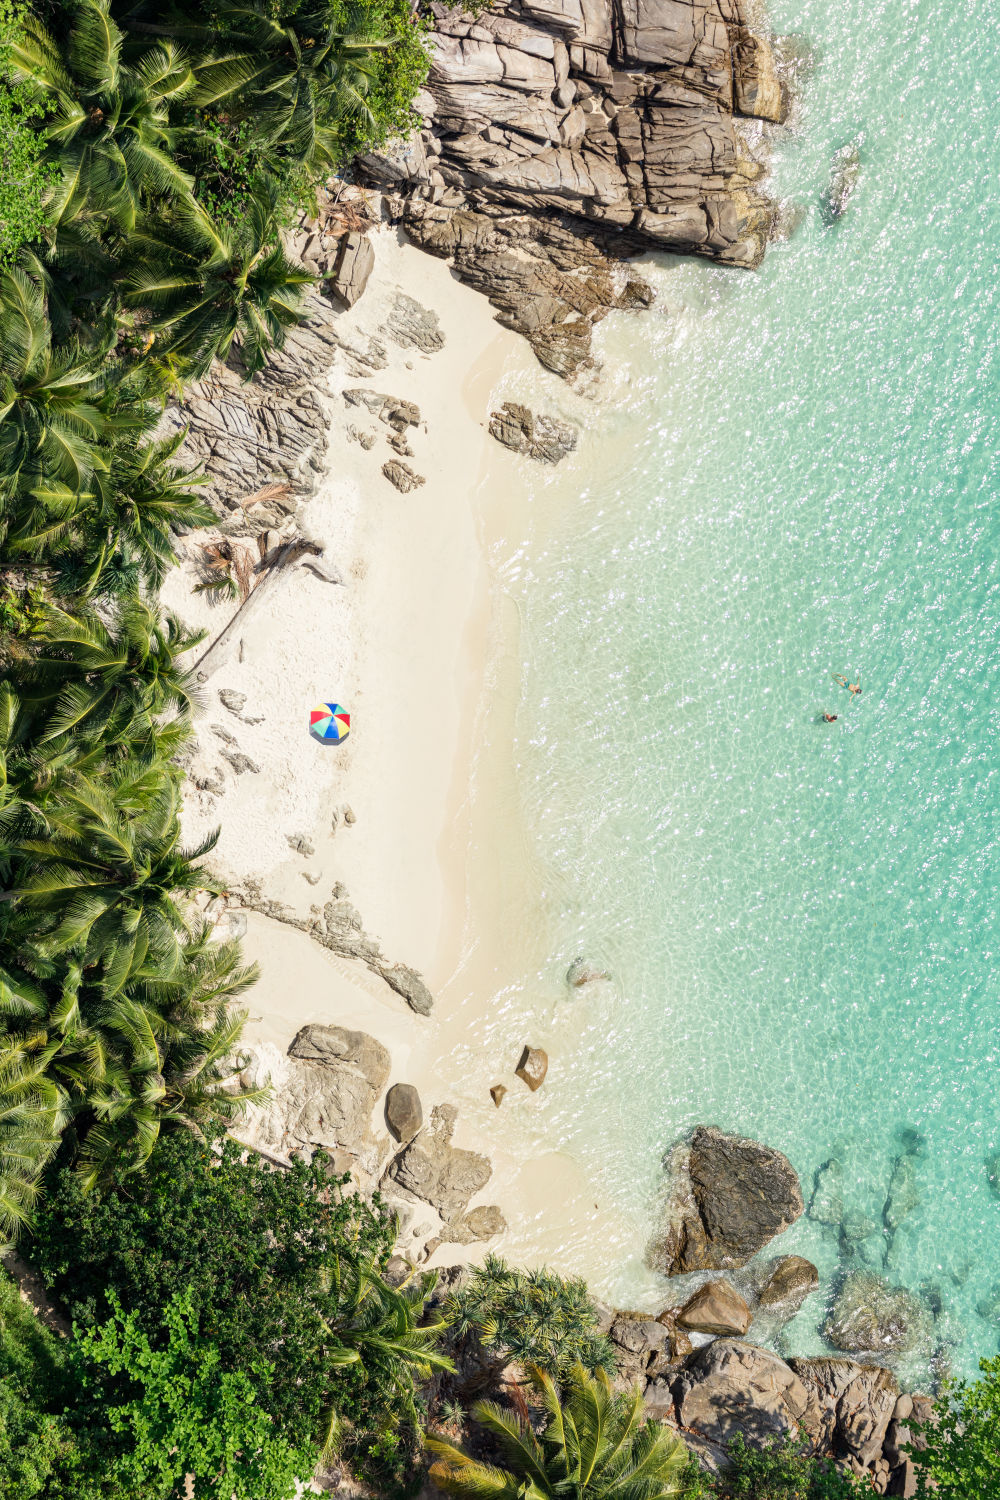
pixel 797 476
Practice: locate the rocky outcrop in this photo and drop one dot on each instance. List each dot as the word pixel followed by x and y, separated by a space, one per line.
pixel 732 1388
pixel 562 135
pixel 354 264
pixel 341 930
pixel 729 1197
pixel 544 438
pixel 870 1316
pixel 432 1169
pixel 855 1404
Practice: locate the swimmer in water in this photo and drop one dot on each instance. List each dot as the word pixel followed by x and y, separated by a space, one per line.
pixel 852 687
pixel 829 718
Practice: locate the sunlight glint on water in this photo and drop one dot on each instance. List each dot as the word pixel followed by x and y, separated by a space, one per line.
pixel 798 480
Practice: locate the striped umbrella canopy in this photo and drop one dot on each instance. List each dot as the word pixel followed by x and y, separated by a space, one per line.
pixel 330 723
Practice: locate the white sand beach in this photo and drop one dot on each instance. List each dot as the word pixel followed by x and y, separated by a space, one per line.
pixel 419 644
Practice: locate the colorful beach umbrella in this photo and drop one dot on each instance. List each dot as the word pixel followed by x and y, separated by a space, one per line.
pixel 330 722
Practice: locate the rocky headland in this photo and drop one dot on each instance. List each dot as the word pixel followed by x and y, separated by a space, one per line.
pixel 562 137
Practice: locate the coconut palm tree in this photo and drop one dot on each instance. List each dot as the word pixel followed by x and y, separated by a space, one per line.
pixel 595 1446
pixel 299 69
pixel 107 121
pixel 209 284
pixel 52 416
pixel 32 1117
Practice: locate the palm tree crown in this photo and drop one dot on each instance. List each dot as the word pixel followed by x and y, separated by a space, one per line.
pixel 595 1446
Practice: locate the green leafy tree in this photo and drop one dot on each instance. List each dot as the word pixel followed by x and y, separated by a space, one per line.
pixel 34 1437
pixel 958 1451
pixel 594 1445
pixel 281 1266
pixel 535 1317
pixel 153 1418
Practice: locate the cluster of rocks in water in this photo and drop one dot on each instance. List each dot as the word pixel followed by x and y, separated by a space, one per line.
pixel 561 137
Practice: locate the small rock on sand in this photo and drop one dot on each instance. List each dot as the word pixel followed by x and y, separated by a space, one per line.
pixel 497 1092
pixel 402 476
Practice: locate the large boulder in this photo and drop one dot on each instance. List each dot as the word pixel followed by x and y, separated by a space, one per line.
pixel 532 1067
pixel 404 1114
pixel 854 1405
pixel 731 1388
pixel 331 1045
pixel 870 1316
pixel 354 264
pixel 729 1197
pixel 716 1307
pixel 790 1280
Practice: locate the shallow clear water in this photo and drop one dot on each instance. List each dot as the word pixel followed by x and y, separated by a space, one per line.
pixel 796 477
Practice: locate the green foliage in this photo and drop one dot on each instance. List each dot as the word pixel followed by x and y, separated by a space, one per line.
pixel 279 1265
pixel 959 1454
pixel 149 1414
pixel 33 1436
pixel 535 1317
pixel 22 611
pixel 594 1445
pixel 777 1471
pixel 25 172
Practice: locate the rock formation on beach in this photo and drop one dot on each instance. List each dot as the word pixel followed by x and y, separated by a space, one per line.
pixel 560 136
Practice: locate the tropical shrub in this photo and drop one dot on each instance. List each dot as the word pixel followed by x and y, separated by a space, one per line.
pixel 534 1317
pixel 776 1471
pixel 594 1445
pixel 958 1451
pixel 279 1265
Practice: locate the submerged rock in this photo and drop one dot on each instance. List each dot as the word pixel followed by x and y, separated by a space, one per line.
pixel 581 973
pixel 843 180
pixel 790 1282
pixel 869 1315
pixel 993 1172
pixel 826 1206
pixel 730 1197
pixel 903 1196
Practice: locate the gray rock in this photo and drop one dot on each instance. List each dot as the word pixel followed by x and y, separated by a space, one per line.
pixel 543 438
pixel 532 1067
pixel 300 843
pixel 402 476
pixel 353 266
pixel 411 326
pixel 329 1045
pixel 233 700
pixel 716 1307
pixel 407 983
pixel 843 180
pixel 757 88
pixel 789 1283
pixel 854 1405
pixel 392 410
pixel 240 763
pixel 869 1315
pixel 731 1196
pixel 731 1388
pixel 438 1173
pixel 478 1225
pixel 404 1114
pixel 581 973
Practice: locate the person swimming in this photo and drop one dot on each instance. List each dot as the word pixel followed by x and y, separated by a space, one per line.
pixel 829 718
pixel 852 687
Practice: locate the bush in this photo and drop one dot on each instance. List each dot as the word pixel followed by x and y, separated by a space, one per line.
pixel 782 1471
pixel 961 1453
pixel 534 1317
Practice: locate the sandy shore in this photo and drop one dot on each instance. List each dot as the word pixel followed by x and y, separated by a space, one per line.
pixel 421 645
